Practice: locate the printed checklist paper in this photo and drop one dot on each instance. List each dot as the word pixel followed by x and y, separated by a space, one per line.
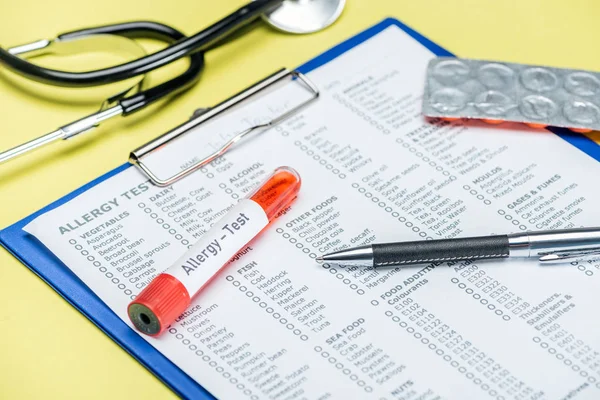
pixel 275 324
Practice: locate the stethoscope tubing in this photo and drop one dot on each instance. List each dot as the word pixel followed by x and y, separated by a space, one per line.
pixel 180 48
pixel 154 30
pixel 125 105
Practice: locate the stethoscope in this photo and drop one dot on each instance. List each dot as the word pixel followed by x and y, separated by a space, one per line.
pixel 293 16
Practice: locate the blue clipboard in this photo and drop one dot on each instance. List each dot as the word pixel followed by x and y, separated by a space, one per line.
pixel 43 263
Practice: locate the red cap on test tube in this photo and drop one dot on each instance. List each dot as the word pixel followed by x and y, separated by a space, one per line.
pixel 277 192
pixel 170 293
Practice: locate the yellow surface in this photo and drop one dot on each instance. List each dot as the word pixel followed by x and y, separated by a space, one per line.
pixel 47 348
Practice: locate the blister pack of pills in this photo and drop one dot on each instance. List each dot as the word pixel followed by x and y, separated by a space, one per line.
pixel 496 92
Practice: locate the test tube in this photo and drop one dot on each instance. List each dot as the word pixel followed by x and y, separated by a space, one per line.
pixel 169 294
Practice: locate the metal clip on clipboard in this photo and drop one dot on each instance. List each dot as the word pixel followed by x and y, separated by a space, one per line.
pixel 137 156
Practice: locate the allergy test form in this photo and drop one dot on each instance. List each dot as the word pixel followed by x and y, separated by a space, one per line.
pixel 275 324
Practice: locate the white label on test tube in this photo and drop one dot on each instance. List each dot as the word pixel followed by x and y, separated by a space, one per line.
pixel 170 293
pixel 216 247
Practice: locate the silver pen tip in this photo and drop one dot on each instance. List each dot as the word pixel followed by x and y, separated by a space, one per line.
pixel 353 256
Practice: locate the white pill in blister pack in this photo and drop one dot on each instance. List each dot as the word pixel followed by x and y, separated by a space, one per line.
pixel 497 92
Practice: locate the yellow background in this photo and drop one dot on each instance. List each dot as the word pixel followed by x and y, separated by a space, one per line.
pixel 50 350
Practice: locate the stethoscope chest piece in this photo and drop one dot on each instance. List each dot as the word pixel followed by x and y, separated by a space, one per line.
pixel 304 16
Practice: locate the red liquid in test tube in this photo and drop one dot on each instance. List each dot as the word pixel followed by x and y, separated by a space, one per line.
pixel 170 293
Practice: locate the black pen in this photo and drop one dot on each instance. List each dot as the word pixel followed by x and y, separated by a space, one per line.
pixel 550 246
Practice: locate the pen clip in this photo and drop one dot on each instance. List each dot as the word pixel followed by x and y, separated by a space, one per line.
pixel 563 256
